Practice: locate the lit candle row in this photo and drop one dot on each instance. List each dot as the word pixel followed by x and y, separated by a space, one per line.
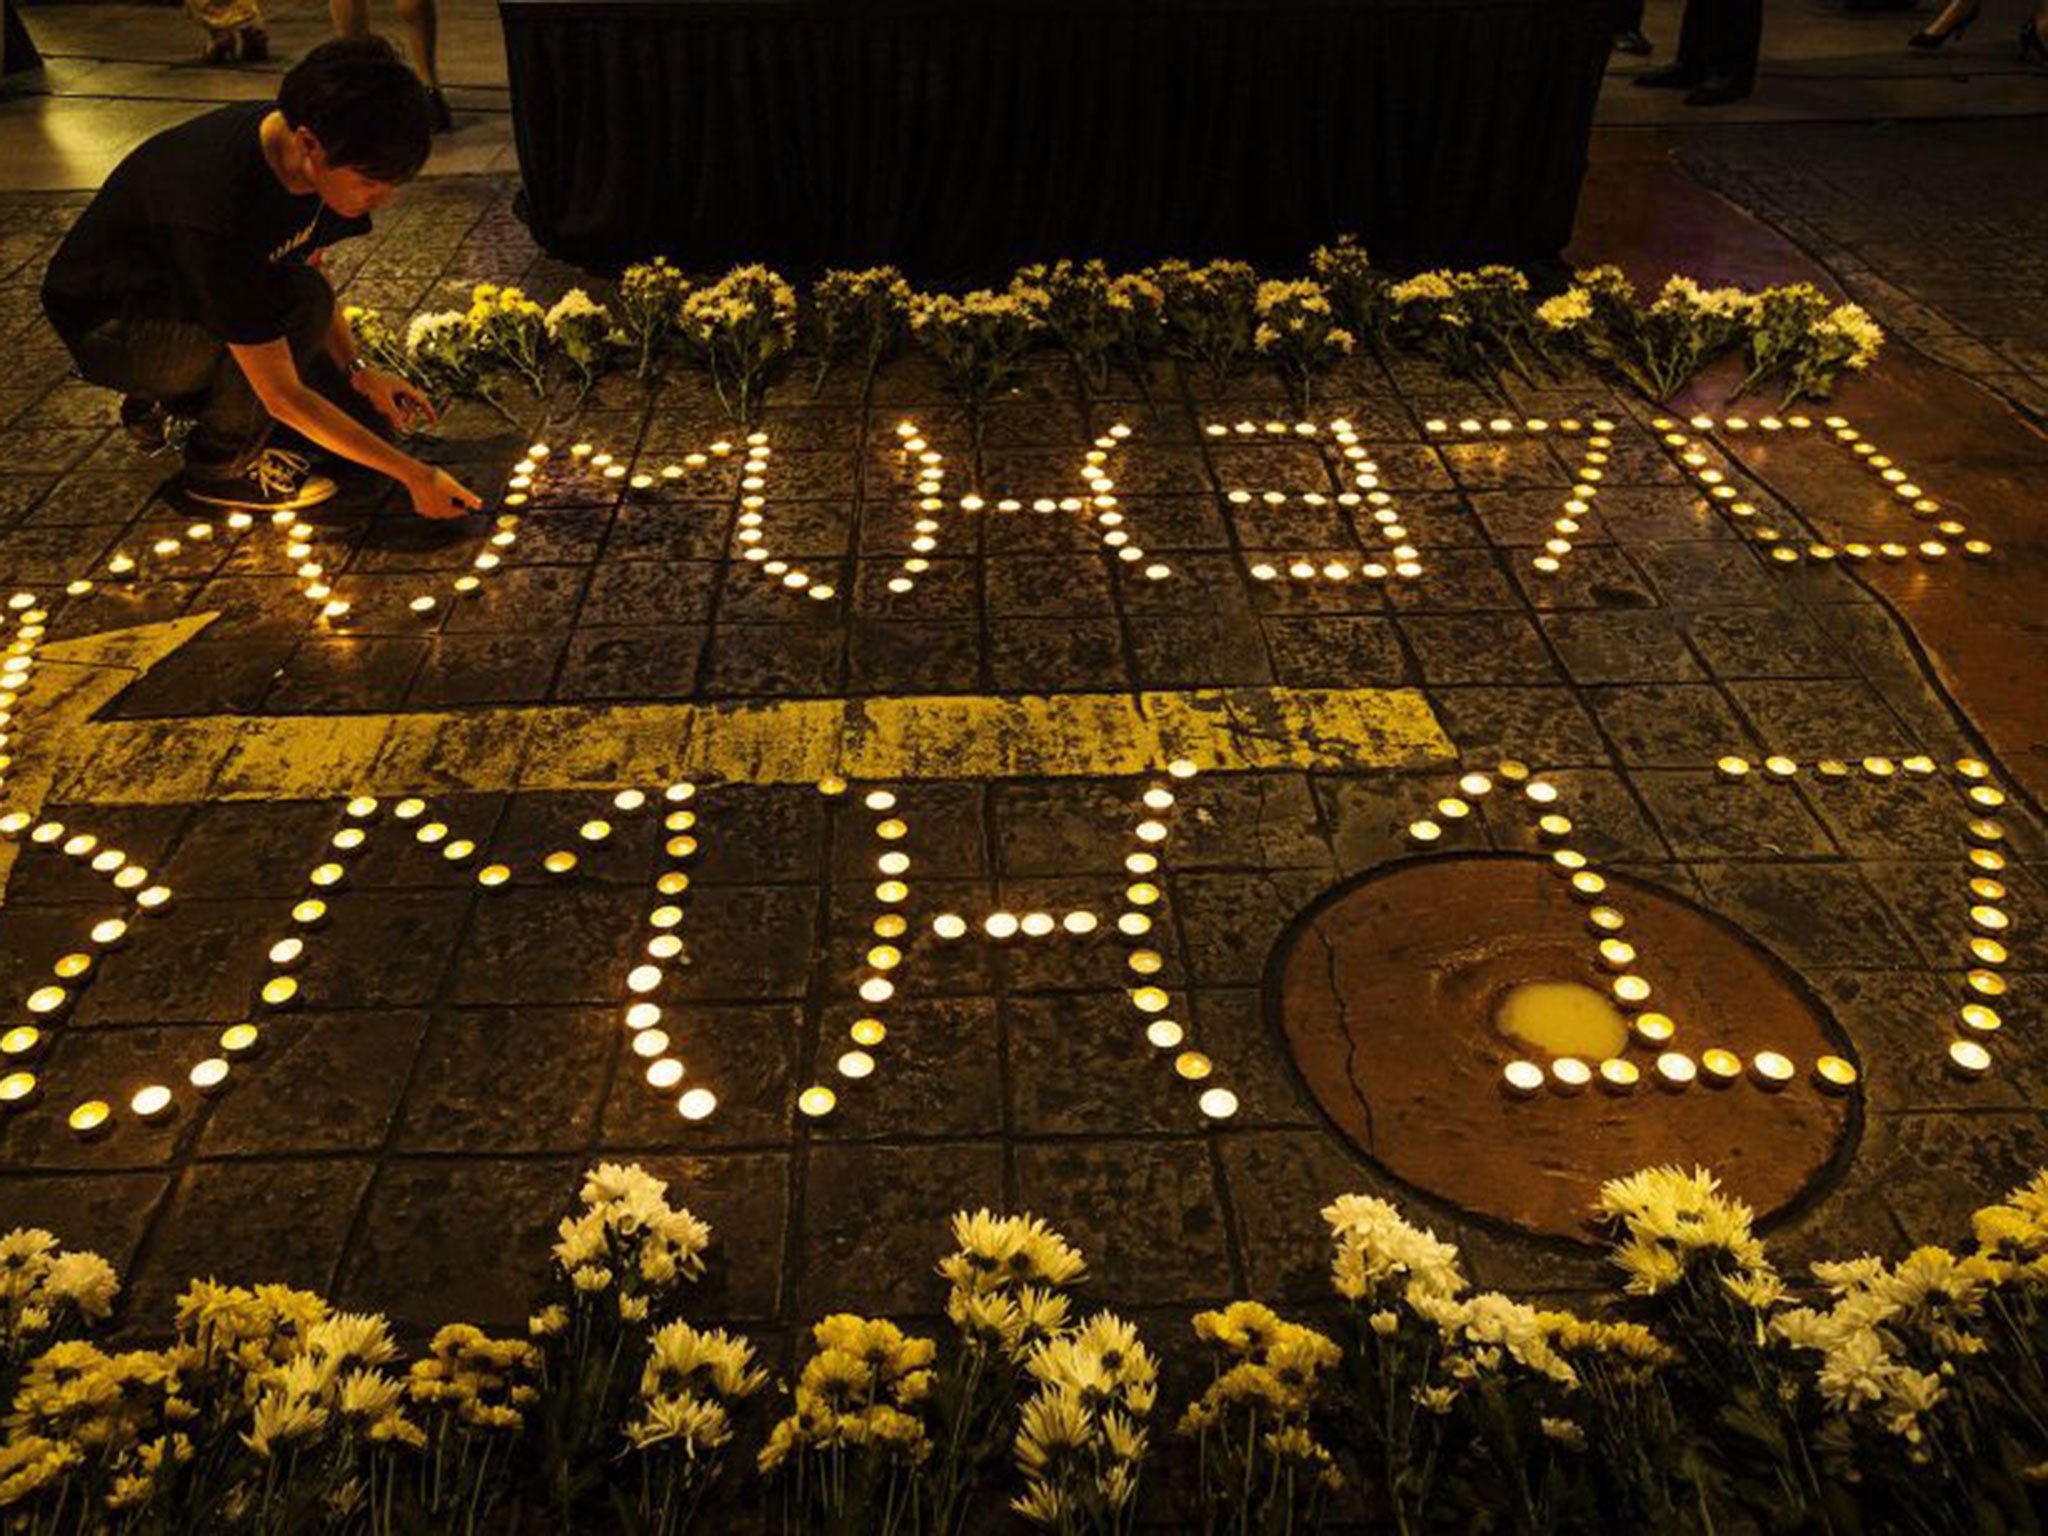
pixel 644 1015
pixel 1629 990
pixel 1002 925
pixel 17 669
pixel 751 534
pixel 1990 921
pixel 49 1005
pixel 879 966
pixel 1136 922
pixel 1509 426
pixel 1402 560
pixel 1578 501
pixel 930 469
pixel 1713 480
pixel 1674 1071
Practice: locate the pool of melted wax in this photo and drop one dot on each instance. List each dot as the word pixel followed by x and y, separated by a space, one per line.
pixel 1562 1018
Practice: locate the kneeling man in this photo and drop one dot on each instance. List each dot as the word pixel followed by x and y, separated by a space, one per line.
pixel 192 283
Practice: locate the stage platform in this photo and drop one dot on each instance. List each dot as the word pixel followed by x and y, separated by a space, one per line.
pixel 961 140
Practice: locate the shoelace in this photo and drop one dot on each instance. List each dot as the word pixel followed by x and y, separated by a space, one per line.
pixel 278 473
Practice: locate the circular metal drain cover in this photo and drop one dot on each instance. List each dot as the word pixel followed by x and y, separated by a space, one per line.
pixel 1387 992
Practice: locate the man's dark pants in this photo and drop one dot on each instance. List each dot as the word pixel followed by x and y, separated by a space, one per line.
pixel 192 373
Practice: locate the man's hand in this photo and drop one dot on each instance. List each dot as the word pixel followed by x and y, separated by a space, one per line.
pixel 439 495
pixel 396 401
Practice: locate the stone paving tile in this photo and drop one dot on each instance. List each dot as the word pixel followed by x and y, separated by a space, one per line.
pixel 410 1134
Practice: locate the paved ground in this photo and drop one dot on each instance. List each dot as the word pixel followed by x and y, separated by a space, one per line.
pixel 408 1133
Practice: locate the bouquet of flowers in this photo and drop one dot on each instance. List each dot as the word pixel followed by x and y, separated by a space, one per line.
pixel 1796 332
pixel 473 1395
pixel 1357 289
pixel 649 307
pixel 1211 311
pixel 1008 1278
pixel 440 353
pixel 580 330
pixel 860 314
pixel 1076 305
pixel 1137 309
pixel 621 1263
pixel 1081 1438
pixel 382 346
pixel 1299 333
pixel 1261 1466
pixel 979 338
pixel 692 1381
pixel 46 1297
pixel 846 1455
pixel 508 332
pixel 741 326
pixel 1687 327
pixel 1472 322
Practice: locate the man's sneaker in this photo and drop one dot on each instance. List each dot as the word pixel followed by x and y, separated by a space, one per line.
pixel 275 481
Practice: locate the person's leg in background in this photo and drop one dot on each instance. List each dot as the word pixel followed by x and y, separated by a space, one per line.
pixel 1628 31
pixel 422 24
pixel 1688 69
pixel 1729 53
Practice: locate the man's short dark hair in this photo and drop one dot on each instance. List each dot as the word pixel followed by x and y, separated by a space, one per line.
pixel 365 106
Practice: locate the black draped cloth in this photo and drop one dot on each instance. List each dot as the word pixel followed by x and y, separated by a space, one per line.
pixel 958 138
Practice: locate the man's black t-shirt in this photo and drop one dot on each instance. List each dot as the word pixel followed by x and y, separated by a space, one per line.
pixel 193 225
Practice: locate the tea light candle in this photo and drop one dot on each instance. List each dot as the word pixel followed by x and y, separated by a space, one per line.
pixel 856 1065
pixel 1772 1068
pixel 1655 1028
pixel 890 892
pixel 1721 1066
pixel 1150 999
pixel 560 862
pixel 1732 768
pixel 1989 919
pixel 1538 790
pixel 697 1104
pixel 594 831
pixel 1038 924
pixel 1834 1073
pixel 1079 922
pixel 17 1088
pixel 817 1101
pixel 1619 1076
pixel 1568 1074
pixel 1192 1065
pixel 877 989
pixel 649 1043
pixel 1676 1070
pixel 1424 831
pixel 1475 785
pixel 1607 919
pixel 1969 1058
pixel 151 1103
pixel 45 1001
pixel 679 792
pixel 20 1040
pixel 1157 799
pixel 1000 925
pixel 1617 954
pixel 1586 885
pixel 1631 990
pixel 310 913
pixel 1522 1078
pixel 949 925
pixel 1141 863
pixel 287 952
pixel 91 1117
pixel 1553 826
pixel 868 1032
pixel 208 1075
pixel 1979 1019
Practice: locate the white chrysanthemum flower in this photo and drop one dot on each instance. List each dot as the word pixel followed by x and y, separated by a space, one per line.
pixel 84 1280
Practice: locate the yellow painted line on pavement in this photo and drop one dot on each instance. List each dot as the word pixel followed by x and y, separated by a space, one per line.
pixel 70 755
